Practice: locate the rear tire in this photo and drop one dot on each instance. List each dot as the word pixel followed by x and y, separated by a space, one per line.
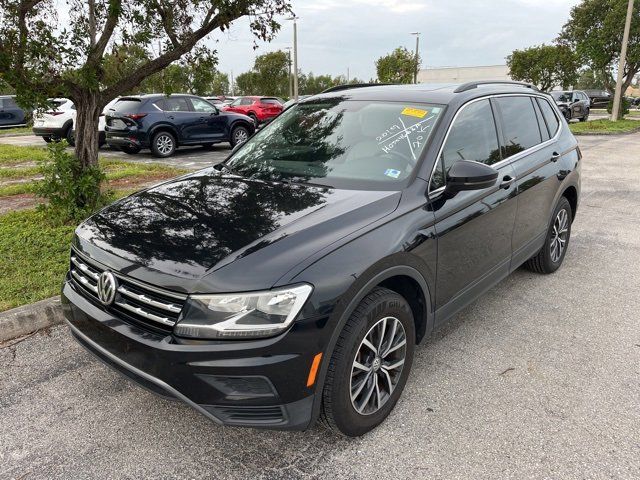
pixel 47 139
pixel 556 242
pixel 363 383
pixel 70 137
pixel 586 117
pixel 163 144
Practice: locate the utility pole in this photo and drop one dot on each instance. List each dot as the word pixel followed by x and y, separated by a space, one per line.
pixel 232 87
pixel 347 74
pixel 290 79
pixel 415 73
pixel 295 57
pixel 623 55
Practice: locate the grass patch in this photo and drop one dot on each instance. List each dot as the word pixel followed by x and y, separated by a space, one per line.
pixel 34 257
pixel 14 155
pixel 605 127
pixel 15 130
pixel 15 173
pixel 17 189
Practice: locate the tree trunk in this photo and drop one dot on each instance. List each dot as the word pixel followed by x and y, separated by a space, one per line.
pixel 88 109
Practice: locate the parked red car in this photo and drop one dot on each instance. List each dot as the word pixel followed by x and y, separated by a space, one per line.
pixel 260 109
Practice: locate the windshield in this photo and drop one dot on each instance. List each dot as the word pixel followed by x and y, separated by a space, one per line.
pixel 340 143
pixel 561 96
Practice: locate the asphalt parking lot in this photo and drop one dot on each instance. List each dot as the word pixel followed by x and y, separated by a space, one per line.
pixel 538 379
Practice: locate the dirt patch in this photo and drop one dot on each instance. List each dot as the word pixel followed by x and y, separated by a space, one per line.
pixel 18 202
pixel 139 182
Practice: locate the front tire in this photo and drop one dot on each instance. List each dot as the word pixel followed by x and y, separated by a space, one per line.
pixel 163 145
pixel 586 116
pixel 551 255
pixel 70 137
pixel 47 139
pixel 370 364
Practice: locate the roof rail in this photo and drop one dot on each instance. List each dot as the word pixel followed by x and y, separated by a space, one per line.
pixel 471 85
pixel 349 86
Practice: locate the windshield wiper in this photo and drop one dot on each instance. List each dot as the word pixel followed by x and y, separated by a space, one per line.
pixel 223 165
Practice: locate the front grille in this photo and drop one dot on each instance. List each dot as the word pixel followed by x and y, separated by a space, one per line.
pixel 135 300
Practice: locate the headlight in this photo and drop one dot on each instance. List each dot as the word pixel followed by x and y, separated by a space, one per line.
pixel 242 315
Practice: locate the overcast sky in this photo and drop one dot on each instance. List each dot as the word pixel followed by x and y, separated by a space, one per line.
pixel 334 35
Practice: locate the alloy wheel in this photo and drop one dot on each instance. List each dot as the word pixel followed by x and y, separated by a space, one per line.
pixel 559 235
pixel 377 365
pixel 164 144
pixel 240 136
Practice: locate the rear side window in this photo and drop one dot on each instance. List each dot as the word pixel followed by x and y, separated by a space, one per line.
pixel 126 105
pixel 541 123
pixel 176 104
pixel 246 101
pixel 472 136
pixel 8 103
pixel 550 118
pixel 520 126
pixel 270 101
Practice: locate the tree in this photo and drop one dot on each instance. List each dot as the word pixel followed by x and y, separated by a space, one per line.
pixel 310 84
pixel 589 79
pixel 546 66
pixel 595 29
pixel 41 58
pixel 247 83
pixel 397 67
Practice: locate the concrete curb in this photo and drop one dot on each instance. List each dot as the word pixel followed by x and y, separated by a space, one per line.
pixel 8 135
pixel 29 318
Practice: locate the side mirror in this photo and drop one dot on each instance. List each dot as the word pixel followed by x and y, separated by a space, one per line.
pixel 215 111
pixel 466 175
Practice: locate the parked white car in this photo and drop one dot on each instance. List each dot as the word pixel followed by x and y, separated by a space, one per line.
pixel 58 123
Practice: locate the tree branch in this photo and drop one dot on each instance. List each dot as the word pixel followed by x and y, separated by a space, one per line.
pixel 115 8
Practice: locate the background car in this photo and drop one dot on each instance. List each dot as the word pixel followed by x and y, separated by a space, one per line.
pixel 260 109
pixel 598 98
pixel 574 104
pixel 57 122
pixel 164 123
pixel 11 115
pixel 215 101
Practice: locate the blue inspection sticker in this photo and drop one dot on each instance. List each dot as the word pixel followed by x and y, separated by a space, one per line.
pixel 390 172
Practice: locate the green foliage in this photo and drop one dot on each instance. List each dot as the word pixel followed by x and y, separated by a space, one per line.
pixel 34 256
pixel 397 67
pixel 590 79
pixel 595 29
pixel 247 83
pixel 310 84
pixel 269 76
pixel 71 189
pixel 625 105
pixel 546 66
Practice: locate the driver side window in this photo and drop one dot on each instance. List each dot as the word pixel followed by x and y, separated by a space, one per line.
pixel 472 136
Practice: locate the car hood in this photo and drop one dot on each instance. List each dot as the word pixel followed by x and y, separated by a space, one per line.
pixel 221 232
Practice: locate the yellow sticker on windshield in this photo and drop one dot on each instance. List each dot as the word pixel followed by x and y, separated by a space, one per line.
pixel 414 112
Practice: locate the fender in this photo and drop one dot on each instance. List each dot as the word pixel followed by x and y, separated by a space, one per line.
pixel 341 314
pixel 163 126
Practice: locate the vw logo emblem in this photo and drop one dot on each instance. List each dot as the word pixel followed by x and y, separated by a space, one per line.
pixel 107 286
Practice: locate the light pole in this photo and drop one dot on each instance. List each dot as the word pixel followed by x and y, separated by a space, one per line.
pixel 295 57
pixel 623 55
pixel 415 73
pixel 290 79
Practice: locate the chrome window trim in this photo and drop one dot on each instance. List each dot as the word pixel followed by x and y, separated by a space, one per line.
pixel 504 161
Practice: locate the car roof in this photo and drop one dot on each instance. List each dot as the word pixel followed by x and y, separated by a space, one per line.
pixel 429 92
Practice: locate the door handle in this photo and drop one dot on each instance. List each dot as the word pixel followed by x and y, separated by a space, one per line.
pixel 507 180
pixel 555 157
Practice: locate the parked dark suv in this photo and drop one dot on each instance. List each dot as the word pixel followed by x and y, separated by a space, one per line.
pixel 11 115
pixel 294 280
pixel 163 123
pixel 573 104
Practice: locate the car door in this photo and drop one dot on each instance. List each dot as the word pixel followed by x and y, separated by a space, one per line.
pixel 235 106
pixel 473 228
pixel 532 124
pixel 10 113
pixel 212 125
pixel 178 111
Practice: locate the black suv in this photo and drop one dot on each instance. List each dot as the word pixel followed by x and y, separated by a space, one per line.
pixel 163 123
pixel 294 280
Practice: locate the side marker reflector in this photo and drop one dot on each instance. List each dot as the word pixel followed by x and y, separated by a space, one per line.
pixel 311 379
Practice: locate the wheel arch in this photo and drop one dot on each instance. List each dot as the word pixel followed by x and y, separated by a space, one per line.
pixel 400 278
pixel 571 194
pixel 163 127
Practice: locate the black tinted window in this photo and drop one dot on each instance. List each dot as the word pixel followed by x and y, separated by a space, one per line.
pixel 541 123
pixel 126 105
pixel 549 117
pixel 472 137
pixel 519 124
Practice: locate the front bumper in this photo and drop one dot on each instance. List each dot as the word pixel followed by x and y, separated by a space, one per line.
pixel 242 383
